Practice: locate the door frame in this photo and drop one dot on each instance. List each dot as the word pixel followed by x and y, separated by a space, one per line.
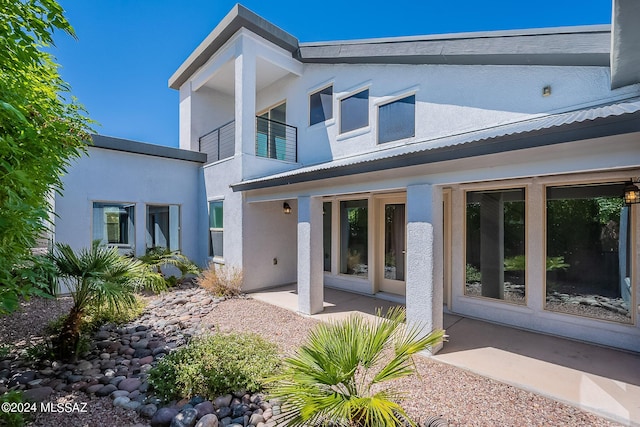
pixel 380 284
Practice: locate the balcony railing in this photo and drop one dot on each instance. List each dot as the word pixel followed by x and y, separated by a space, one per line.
pixel 276 140
pixel 220 143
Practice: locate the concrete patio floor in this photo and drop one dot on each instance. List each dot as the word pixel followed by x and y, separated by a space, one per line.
pixel 600 380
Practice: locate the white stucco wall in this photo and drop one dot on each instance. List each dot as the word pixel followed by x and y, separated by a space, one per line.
pixel 116 176
pixel 449 99
pixel 270 242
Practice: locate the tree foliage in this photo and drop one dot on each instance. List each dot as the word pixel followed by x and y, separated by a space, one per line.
pixel 42 129
pixel 98 277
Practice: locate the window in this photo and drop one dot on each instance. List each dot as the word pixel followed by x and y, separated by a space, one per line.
pixel 397 120
pixel 216 229
pixel 163 227
pixel 113 223
pixel 354 111
pixel 354 259
pixel 495 244
pixel 326 234
pixel 589 253
pixel 271 133
pixel 321 106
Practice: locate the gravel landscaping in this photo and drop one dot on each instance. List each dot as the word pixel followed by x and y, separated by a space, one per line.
pixel 463 398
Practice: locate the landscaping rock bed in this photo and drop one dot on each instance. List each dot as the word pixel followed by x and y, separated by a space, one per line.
pixel 120 358
pixel 461 397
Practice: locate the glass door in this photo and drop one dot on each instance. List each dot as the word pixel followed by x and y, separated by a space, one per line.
pixel 392 247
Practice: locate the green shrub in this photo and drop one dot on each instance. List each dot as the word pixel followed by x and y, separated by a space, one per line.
pixel 214 365
pixel 12 418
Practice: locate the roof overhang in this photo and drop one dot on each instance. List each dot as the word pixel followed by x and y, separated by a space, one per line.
pixel 545 131
pixel 239 17
pixel 135 147
pixel 581 46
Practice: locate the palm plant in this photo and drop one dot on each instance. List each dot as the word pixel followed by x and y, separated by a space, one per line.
pixel 158 257
pixel 97 277
pixel 336 377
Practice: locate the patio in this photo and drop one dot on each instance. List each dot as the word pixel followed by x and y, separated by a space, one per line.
pixel 601 380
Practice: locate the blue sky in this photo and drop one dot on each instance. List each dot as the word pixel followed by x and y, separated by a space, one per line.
pixel 127 49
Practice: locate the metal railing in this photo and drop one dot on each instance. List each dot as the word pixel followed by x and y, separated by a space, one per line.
pixel 220 143
pixel 276 140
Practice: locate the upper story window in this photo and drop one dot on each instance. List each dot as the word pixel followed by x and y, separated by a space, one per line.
pixel 354 111
pixel 321 106
pixel 397 120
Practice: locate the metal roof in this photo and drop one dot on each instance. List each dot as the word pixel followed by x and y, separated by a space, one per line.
pixel 585 123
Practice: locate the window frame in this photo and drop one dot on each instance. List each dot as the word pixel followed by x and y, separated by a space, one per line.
pixel 349 94
pixel 168 205
pixel 512 185
pixel 580 180
pixel 318 90
pixel 211 249
pixel 104 239
pixel 390 100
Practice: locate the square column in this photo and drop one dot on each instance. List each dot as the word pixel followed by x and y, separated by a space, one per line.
pixel 310 271
pixel 424 258
pixel 245 99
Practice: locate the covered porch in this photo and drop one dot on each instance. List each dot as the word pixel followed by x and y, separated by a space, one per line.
pixel 597 379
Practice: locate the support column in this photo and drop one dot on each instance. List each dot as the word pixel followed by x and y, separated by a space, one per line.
pixel 424 264
pixel 245 99
pixel 140 229
pixel 492 245
pixel 310 271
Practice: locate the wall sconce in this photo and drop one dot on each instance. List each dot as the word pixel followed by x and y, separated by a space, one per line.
pixel 546 91
pixel 286 208
pixel 631 193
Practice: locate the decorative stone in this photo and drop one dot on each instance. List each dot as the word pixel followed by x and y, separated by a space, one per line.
pixel 222 401
pixel 186 418
pixel 148 410
pixel 256 418
pixel 223 412
pixel 163 417
pixel 204 408
pixel 121 401
pixel 209 420
pixel 106 390
pixel 129 384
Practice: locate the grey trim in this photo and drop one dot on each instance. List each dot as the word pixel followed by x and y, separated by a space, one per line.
pixel 584 46
pixel 128 146
pixel 625 61
pixel 239 17
pixel 597 128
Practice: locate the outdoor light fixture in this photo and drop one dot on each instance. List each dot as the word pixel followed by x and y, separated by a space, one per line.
pixel 631 193
pixel 546 91
pixel 287 209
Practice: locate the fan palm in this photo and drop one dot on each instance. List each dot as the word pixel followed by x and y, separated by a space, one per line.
pixel 336 376
pixel 97 277
pixel 158 257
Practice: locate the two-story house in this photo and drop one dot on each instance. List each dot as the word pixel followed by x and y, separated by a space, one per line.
pixel 481 174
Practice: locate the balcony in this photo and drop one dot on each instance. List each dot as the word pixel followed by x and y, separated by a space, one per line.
pixel 276 140
pixel 220 143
